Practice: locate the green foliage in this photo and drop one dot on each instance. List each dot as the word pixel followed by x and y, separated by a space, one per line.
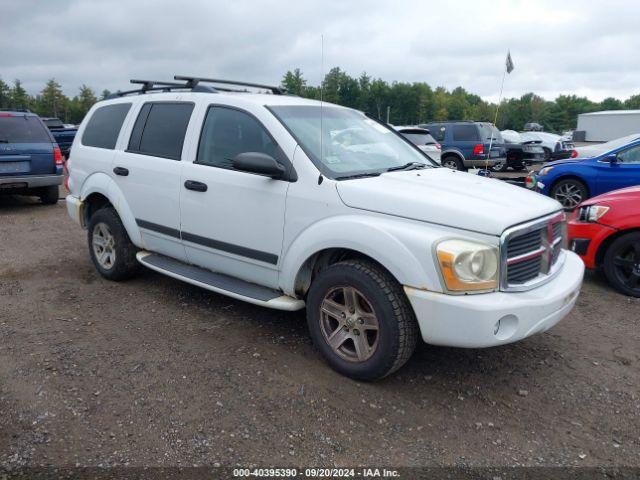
pixel 407 103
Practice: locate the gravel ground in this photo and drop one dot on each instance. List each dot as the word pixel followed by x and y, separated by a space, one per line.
pixel 157 372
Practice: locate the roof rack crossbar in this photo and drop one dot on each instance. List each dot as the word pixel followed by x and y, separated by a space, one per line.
pixel 275 90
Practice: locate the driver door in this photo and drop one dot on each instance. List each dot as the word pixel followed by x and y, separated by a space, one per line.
pixel 232 221
pixel 625 172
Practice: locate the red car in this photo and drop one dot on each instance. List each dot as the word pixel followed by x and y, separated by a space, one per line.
pixel 605 232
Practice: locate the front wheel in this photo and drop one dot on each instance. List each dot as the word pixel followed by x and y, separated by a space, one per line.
pixel 361 320
pixel 110 248
pixel 570 193
pixel 622 264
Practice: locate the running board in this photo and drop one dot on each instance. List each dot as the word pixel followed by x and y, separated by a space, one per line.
pixel 220 283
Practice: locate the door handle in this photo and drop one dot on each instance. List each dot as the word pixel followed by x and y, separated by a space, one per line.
pixel 123 172
pixel 195 186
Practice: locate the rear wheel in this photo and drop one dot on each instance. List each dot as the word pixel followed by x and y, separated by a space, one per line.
pixel 360 320
pixel 49 195
pixel 453 162
pixel 570 193
pixel 622 264
pixel 500 167
pixel 110 248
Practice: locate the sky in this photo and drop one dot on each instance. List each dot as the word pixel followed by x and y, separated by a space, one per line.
pixel 588 48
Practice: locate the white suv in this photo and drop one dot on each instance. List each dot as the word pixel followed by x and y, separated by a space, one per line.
pixel 250 195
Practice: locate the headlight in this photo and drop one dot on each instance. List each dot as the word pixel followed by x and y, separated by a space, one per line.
pixel 468 266
pixel 545 170
pixel 592 213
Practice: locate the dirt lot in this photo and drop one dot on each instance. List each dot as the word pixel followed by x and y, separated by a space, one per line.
pixel 157 372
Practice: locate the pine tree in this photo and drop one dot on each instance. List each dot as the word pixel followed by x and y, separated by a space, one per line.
pixel 19 97
pixel 52 102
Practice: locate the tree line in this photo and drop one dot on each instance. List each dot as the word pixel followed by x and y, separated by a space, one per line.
pixel 404 103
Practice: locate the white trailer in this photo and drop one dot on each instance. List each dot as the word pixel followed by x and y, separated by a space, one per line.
pixel 609 124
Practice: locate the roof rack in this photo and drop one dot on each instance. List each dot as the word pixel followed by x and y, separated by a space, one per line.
pixel 161 86
pixel 196 80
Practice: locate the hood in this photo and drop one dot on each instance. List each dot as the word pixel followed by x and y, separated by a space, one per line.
pixel 447 197
pixel 568 161
pixel 624 195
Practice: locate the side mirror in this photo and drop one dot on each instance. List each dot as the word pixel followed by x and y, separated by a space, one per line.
pixel 260 163
pixel 612 158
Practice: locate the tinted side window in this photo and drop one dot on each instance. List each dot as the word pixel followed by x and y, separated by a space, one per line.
pixel 631 155
pixel 104 126
pixel 438 132
pixel 227 132
pixel 160 129
pixel 465 133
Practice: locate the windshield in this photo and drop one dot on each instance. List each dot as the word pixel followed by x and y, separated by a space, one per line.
pixel 352 144
pixel 22 129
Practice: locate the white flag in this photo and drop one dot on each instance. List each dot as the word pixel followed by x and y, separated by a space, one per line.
pixel 509 63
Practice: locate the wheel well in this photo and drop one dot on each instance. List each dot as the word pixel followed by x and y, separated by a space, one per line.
pixel 452 154
pixel 323 259
pixel 93 203
pixel 606 243
pixel 570 177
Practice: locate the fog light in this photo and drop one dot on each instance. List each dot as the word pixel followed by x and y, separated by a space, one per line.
pixel 506 327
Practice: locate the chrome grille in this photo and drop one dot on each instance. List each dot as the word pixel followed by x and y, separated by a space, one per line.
pixel 531 254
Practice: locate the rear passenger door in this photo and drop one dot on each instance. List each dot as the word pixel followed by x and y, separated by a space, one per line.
pixel 148 173
pixel 233 223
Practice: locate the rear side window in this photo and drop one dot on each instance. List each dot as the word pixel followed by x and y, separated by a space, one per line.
pixel 104 126
pixel 227 133
pixel 23 129
pixel 465 133
pixel 160 129
pixel 438 132
pixel 419 138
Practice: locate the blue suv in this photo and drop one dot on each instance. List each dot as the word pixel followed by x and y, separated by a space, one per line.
pixel 465 144
pixel 573 181
pixel 30 159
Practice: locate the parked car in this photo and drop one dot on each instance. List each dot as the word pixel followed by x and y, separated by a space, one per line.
pixel 555 148
pixel 519 155
pixel 422 139
pixel 605 232
pixel 533 127
pixel 588 151
pixel 62 133
pixel 30 159
pixel 465 144
pixel 248 195
pixel 573 181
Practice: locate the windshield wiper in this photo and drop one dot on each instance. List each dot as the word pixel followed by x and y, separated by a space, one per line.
pixel 408 166
pixel 358 175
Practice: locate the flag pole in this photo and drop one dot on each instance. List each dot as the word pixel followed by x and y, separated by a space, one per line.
pixel 495 118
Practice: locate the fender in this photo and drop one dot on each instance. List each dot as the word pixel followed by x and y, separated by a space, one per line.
pixel 102 183
pixel 377 238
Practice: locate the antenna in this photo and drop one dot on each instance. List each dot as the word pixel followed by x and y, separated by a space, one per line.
pixel 321 96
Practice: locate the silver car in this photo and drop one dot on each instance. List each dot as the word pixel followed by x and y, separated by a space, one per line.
pixel 422 139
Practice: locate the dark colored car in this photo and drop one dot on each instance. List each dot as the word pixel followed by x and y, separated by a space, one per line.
pixel 63 135
pixel 533 127
pixel 520 154
pixel 465 144
pixel 30 159
pixel 605 232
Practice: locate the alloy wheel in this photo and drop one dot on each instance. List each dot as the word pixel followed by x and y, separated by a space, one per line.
pixel 349 324
pixel 627 266
pixel 103 244
pixel 569 195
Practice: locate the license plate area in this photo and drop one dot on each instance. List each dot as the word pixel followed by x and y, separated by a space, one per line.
pixel 15 167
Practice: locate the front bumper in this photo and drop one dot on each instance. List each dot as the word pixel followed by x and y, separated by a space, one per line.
pixel 30 181
pixel 585 239
pixel 485 320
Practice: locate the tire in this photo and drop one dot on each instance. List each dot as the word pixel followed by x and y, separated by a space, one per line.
pixel 116 258
pixel 622 264
pixel 500 167
pixel 379 300
pixel 49 195
pixel 547 154
pixel 453 162
pixel 570 193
